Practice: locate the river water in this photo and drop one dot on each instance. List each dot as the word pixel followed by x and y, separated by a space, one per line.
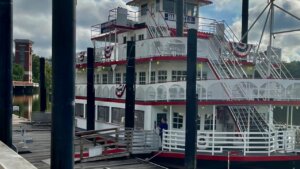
pixel 28 104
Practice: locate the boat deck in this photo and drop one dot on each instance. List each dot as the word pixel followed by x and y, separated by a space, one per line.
pixel 37 150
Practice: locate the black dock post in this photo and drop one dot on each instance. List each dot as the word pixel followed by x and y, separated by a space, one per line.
pixel 245 17
pixel 179 17
pixel 191 102
pixel 130 85
pixel 6 90
pixel 63 75
pixel 90 113
pixel 43 101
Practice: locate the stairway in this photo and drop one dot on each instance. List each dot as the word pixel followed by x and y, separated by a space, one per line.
pixel 250 121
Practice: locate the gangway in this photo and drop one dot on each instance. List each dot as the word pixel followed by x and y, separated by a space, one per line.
pixel 113 143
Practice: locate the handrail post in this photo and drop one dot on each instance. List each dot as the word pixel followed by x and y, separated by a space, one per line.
pixel 117 137
pixel 81 149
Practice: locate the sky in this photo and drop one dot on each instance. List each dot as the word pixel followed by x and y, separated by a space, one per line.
pixel 32 20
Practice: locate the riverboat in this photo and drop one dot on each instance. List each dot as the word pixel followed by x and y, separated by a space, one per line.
pixel 238 87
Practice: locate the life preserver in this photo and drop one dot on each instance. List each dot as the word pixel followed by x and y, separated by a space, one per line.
pixel 81 56
pixel 120 89
pixel 107 51
pixel 202 142
pixel 240 50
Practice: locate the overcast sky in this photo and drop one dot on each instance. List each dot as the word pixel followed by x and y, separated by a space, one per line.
pixel 32 20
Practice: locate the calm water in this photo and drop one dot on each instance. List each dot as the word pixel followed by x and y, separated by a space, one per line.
pixel 28 104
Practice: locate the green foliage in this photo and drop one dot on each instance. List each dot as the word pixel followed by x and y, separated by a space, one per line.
pixel 18 72
pixel 36 71
pixel 294 68
pixel 35 68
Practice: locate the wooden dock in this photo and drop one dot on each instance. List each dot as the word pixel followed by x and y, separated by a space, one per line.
pixel 37 150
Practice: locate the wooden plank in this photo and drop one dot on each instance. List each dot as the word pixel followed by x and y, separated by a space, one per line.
pixel 40 150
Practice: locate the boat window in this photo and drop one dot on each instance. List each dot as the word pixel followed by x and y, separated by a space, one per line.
pixel 190 9
pixel 117 115
pixel 177 120
pixel 198 122
pixel 79 110
pixel 162 76
pixel 208 122
pixel 98 78
pixel 144 9
pixel 152 78
pixel 103 114
pixel 124 78
pixel 141 37
pixel 178 75
pixel 124 40
pixel 142 78
pixel 202 76
pixel 104 79
pixel 132 38
pixel 118 78
pixel 169 6
pixel 139 119
pixel 157 5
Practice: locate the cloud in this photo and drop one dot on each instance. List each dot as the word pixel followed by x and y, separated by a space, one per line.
pixel 32 20
pixel 282 21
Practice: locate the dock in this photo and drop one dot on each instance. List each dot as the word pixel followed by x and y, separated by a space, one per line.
pixel 33 143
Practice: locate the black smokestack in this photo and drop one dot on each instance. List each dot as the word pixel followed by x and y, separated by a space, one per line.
pixel 245 18
pixel 179 18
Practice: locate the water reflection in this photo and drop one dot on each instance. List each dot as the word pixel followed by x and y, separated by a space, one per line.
pixel 28 104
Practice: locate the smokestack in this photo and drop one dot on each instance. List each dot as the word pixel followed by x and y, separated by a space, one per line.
pixel 245 18
pixel 179 17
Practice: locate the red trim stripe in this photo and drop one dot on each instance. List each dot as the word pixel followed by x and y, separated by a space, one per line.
pixel 142 60
pixel 233 158
pixel 214 102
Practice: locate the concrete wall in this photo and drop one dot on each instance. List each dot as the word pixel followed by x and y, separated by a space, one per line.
pixel 11 160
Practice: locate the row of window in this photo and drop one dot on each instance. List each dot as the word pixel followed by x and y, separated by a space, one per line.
pixel 162 76
pixel 190 9
pixel 117 115
pixel 133 38
pixel 178 121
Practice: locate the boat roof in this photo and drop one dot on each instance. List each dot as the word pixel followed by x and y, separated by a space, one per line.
pixel 137 2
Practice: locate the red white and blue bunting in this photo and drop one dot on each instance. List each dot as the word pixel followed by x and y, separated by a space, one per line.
pixel 120 89
pixel 81 56
pixel 107 51
pixel 240 50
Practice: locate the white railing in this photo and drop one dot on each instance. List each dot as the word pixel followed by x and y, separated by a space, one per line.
pixel 258 89
pixel 243 142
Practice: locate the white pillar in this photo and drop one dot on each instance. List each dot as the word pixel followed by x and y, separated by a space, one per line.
pixel 170 117
pixel 149 71
pixel 271 114
pixel 287 116
pixel 292 111
pixel 115 48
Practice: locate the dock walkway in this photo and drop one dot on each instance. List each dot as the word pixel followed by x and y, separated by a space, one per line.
pixel 36 150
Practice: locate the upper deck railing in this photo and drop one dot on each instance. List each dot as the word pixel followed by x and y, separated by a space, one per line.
pixel 208 90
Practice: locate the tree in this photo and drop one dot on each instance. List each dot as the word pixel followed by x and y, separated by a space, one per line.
pixel 36 71
pixel 18 72
pixel 35 68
